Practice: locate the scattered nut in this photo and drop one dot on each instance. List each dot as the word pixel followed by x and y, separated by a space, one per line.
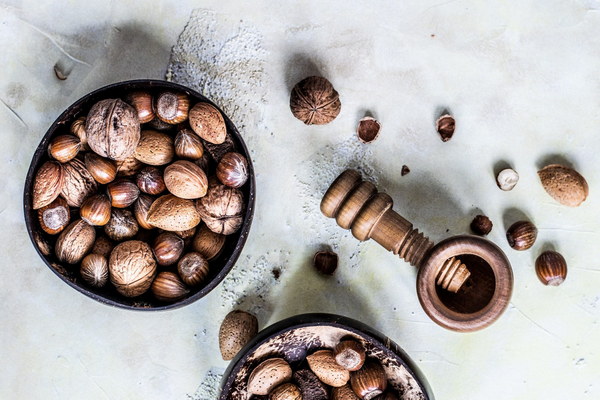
pixel 140 209
pixel 173 214
pixel 235 332
pixel 369 381
pixel 94 270
pixel 564 184
pixel 445 125
pixel 129 166
pixel 103 246
pixel 268 375
pixel 405 170
pixel 132 268
pixel 521 235
pixel 232 170
pixel 551 268
pixel 507 179
pixel 75 242
pixel 78 129
pixel 325 367
pixel 208 123
pixel 48 184
pixel 349 354
pixel 167 287
pixel 368 129
pixel 326 262
pixel 150 180
pixel 481 225
pixel 315 101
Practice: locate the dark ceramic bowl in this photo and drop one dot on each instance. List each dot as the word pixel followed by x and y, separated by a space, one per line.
pixel 219 267
pixel 295 337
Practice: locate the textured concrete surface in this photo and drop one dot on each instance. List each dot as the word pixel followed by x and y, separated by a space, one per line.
pixel 520 77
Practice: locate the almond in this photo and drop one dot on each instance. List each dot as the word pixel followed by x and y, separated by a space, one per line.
pixel 79 183
pixel 48 184
pixel 186 180
pixel 268 375
pixel 208 123
pixel 323 364
pixel 236 330
pixel 155 148
pixel 287 391
pixel 173 214
pixel 564 184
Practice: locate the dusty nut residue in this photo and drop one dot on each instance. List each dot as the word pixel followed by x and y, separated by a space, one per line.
pixel 132 268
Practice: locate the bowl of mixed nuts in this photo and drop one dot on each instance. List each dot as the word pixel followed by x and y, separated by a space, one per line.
pixel 322 357
pixel 141 195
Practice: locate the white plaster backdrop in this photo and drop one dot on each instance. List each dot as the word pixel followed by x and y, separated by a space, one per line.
pixel 521 79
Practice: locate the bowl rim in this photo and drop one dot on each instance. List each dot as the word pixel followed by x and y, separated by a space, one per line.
pixel 321 319
pixel 133 85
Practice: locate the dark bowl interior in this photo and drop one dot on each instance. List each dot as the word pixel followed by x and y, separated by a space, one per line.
pixel 219 267
pixel 295 337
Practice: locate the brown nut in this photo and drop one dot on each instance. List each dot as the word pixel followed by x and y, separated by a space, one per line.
pixel 54 217
pixel 521 235
pixel 78 129
pixel 326 262
pixel 172 107
pixel 315 101
pixel 343 393
pixel 122 225
pixel 188 145
pixel 167 287
pixel 95 210
pixel 325 367
pixel 208 243
pixel 368 129
pixel 445 125
pixel 222 209
pixel 64 148
pixel 140 209
pixel 142 103
pixel 155 148
pixel 236 330
pixel 192 268
pixel 388 395
pixel 287 391
pixel 310 386
pixel 369 381
pixel 113 129
pixel 103 246
pixel 551 268
pixel 47 184
pixel 186 180
pixel 564 184
pixel 94 270
pixel 122 193
pixel 232 170
pixel 132 268
pixel 75 242
pixel 129 166
pixel 102 169
pixel 208 123
pixel 150 180
pixel 268 375
pixel 167 248
pixel 481 225
pixel 349 354
pixel 78 183
pixel 171 213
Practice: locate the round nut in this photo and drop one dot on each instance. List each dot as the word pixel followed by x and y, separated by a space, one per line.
pixel 102 169
pixel 188 145
pixel 232 170
pixel 142 102
pixel 168 287
pixel 507 179
pixel 122 225
pixel 150 180
pixel 95 210
pixel 167 248
pixel 192 268
pixel 521 235
pixel 94 270
pixel 64 147
pixel 186 180
pixel 314 101
pixel 132 268
pixel 208 243
pixel 287 391
pixel 122 193
pixel 551 268
pixel 222 209
pixel 78 183
pixel 54 217
pixel 140 209
pixel 172 107
pixel 208 123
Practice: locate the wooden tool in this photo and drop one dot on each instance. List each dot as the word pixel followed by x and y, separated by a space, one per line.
pixel 464 283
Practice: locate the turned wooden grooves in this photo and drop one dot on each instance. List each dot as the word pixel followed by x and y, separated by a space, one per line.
pixel 356 205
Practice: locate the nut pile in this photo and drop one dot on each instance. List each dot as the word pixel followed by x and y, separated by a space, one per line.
pixel 140 194
pixel 345 372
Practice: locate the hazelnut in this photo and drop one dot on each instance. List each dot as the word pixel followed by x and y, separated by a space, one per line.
pixel 551 268
pixel 521 235
pixel 236 330
pixel 64 147
pixel 192 268
pixel 507 179
pixel 325 367
pixel 155 148
pixel 78 183
pixel 122 225
pixel 188 145
pixel 349 354
pixel 122 193
pixel 208 243
pixel 95 210
pixel 54 217
pixel 167 248
pixel 268 375
pixel 150 180
pixel 343 393
pixel 326 262
pixel 75 242
pixel 142 103
pixel 481 225
pixel 368 129
pixel 167 287
pixel 140 209
pixel 47 184
pixel 129 166
pixel 102 169
pixel 445 125
pixel 171 107
pixel 78 129
pixel 94 270
pixel 232 170
pixel 315 101
pixel 564 184
pixel 132 268
pixel 173 214
pixel 186 180
pixel 222 209
pixel 369 381
pixel 113 129
pixel 208 123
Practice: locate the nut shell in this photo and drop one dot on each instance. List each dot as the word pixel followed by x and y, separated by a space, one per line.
pixel 142 103
pixel 167 248
pixel 78 129
pixel 64 147
pixel 78 183
pixel 140 209
pixel 192 268
pixel 188 145
pixel 103 246
pixel 94 270
pixel 208 243
pixel 310 386
pixel 268 375
pixel 445 125
pixel 48 184
pixel 325 367
pixel 343 393
pixel 222 209
pixel 369 381
pixel 521 235
pixel 326 262
pixel 481 225
pixel 314 101
pixel 155 148
pixel 54 217
pixel 122 193
pixel 232 170
pixel 150 180
pixel 368 129
pixel 132 268
pixel 208 123
pixel 122 225
pixel 551 268
pixel 95 210
pixel 113 129
pixel 287 391
pixel 564 184
pixel 507 179
pixel 171 213
pixel 171 107
pixel 102 169
pixel 236 330
pixel 349 354
pixel 75 242
pixel 168 287
pixel 186 180
pixel 129 166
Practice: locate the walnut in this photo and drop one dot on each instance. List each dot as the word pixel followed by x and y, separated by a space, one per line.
pixel 75 242
pixel 78 183
pixel 314 101
pixel 132 268
pixel 222 209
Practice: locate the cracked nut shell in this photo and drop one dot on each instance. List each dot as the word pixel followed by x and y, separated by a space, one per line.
pixel 349 354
